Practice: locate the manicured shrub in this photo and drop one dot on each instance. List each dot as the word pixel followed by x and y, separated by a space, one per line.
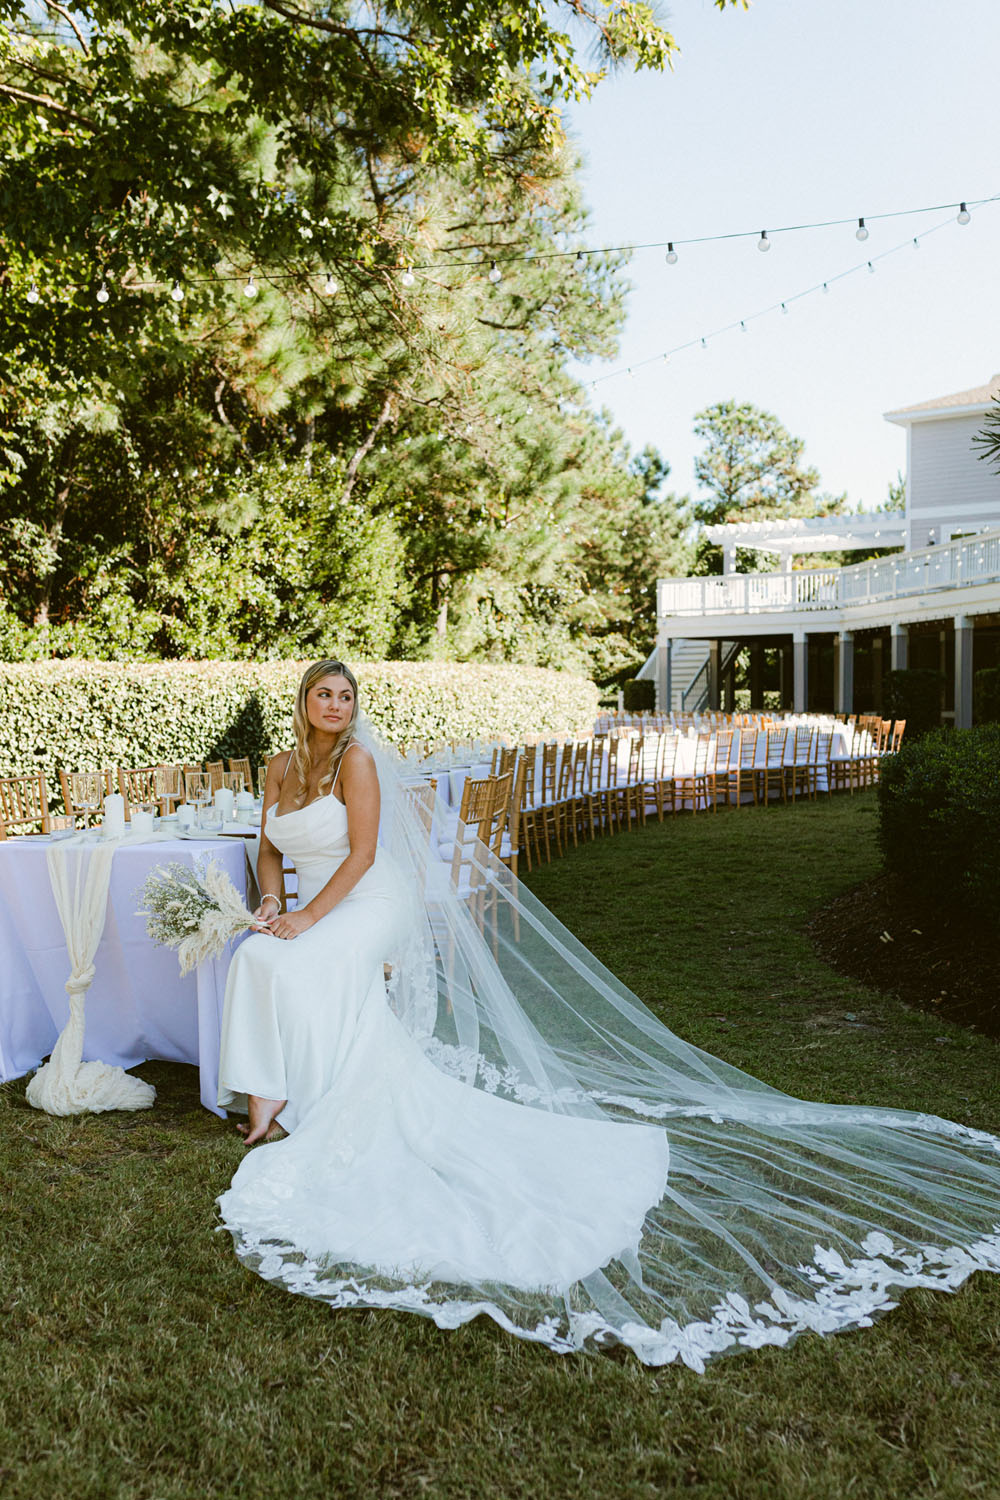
pixel 939 818
pixel 84 714
pixel 986 695
pixel 914 694
pixel 640 695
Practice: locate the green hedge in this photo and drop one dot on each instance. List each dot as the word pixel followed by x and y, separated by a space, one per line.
pixel 83 715
pixel 986 695
pixel 914 694
pixel 639 694
pixel 939 818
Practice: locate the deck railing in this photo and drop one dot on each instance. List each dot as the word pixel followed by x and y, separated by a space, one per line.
pixel 952 565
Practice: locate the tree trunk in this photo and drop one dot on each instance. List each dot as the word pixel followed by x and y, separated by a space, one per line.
pixel 55 532
pixel 361 452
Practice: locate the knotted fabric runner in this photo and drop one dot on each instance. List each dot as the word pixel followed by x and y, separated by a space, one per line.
pixel 80 872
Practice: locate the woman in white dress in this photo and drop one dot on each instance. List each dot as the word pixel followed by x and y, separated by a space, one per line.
pixel 506 1130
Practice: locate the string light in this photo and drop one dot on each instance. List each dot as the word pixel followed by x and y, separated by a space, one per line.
pixel 103 294
pixel 250 290
pixel 407 278
pixel 330 285
pixel 33 293
pixel 861 233
pixel 763 244
pixel 671 256
pixel 496 274
pixel 177 292
pixel 963 214
pixel 741 324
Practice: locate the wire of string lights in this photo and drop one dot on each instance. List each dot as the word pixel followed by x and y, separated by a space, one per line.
pixel 499 261
pixel 702 340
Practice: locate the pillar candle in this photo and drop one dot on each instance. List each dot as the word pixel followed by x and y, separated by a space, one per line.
pixel 224 799
pixel 114 816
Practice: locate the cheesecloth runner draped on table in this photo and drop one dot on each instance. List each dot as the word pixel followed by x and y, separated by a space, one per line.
pixel 777 1215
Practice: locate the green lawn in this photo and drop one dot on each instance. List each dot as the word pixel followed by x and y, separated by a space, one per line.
pixel 140 1360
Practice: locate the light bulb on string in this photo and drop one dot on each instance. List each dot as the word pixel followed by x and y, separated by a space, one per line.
pixel 871 269
pixel 579 260
pixel 177 292
pixel 33 294
pixel 407 279
pixel 916 243
pixel 704 343
pixel 495 272
pixel 825 287
pixel 250 290
pixel 763 244
pixel 330 286
pixel 743 326
pixel 103 295
pixel 671 254
pixel 963 215
pixel 784 309
pixel 861 233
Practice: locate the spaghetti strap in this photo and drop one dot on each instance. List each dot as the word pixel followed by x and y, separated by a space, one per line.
pixel 336 776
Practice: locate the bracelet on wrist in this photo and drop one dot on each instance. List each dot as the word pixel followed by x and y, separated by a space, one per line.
pixel 270 896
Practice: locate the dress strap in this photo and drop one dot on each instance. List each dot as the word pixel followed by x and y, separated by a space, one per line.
pixel 336 775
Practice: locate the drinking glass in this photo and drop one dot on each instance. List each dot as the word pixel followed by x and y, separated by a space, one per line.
pixel 167 786
pixel 198 789
pixel 236 782
pixel 87 790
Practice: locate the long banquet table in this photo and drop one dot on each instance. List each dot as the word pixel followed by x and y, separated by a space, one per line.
pixel 138 1007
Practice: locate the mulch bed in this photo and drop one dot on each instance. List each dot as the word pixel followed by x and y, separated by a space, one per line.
pixel 940 962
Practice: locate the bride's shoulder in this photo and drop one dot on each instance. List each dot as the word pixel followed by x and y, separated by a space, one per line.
pixel 358 757
pixel 280 761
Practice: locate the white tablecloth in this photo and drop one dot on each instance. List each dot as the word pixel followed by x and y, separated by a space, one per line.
pixel 138 1006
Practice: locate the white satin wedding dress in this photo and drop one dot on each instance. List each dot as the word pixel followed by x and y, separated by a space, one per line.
pixel 391 1165
pixel 491 1134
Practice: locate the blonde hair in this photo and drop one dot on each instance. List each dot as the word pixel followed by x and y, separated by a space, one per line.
pixel 302 755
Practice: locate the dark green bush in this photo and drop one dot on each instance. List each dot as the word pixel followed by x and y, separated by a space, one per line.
pixel 640 695
pixel 986 695
pixel 939 818
pixel 914 694
pixel 84 714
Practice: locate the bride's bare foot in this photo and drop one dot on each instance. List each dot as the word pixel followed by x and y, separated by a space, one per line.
pixel 263 1126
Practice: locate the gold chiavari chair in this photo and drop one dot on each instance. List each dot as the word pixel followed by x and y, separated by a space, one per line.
pixel 240 766
pixel 666 762
pixel 743 767
pixel 718 766
pixel 215 768
pixel 24 800
pixel 800 770
pixel 597 796
pixel 897 737
pixel 819 764
pixel 692 785
pixel 773 769
pixel 514 838
pixel 137 785
pixel 843 770
pixel 83 792
pixel 630 794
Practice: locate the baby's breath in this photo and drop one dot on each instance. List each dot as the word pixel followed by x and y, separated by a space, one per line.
pixel 195 910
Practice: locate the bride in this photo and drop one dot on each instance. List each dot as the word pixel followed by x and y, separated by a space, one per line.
pixel 504 1129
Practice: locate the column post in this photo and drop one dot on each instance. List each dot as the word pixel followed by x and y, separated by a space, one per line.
pixel 714 663
pixel 964 628
pixel 800 671
pixel 757 674
pixel 663 677
pixel 899 647
pixel 786 675
pixel 845 672
pixel 878 667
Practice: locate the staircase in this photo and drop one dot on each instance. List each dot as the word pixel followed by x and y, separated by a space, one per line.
pixel 688 673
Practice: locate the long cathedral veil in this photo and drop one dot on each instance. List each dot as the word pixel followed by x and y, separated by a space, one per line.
pixel 779 1215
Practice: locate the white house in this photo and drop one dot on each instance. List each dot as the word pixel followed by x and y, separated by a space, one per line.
pixel 827 636
pixel 950 491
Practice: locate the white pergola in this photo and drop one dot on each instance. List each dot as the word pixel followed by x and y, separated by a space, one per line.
pixel 800 536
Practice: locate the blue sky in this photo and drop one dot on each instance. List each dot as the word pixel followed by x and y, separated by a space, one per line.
pixel 792 112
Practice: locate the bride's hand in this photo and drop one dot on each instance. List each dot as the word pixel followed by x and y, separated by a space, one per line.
pixel 290 923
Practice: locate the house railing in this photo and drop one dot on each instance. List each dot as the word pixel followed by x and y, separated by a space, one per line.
pixel 955 564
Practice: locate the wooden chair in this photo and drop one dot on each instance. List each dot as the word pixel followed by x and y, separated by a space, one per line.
pixel 743 768
pixel 630 800
pixel 819 762
pixel 692 786
pixel 598 795
pixel 511 843
pixel 24 800
pixel 75 788
pixel 799 770
pixel 240 766
pixel 719 762
pixel 897 737
pixel 843 769
pixel 137 784
pixel 215 769
pixel 773 769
